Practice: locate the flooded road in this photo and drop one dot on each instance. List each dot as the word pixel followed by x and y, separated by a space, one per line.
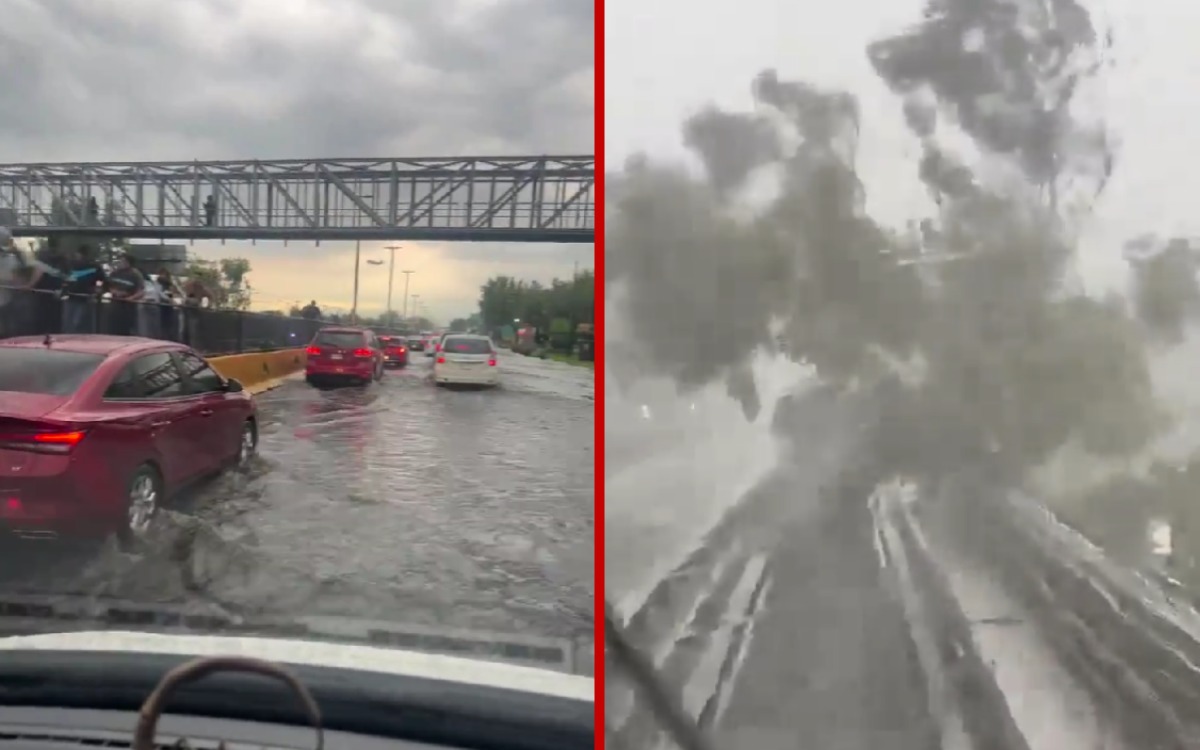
pixel 836 608
pixel 400 502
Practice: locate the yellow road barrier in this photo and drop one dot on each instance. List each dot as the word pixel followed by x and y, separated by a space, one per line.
pixel 255 370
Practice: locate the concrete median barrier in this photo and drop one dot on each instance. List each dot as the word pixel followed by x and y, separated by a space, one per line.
pixel 258 371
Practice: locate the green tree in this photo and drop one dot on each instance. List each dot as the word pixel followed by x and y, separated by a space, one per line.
pixel 504 299
pixel 226 278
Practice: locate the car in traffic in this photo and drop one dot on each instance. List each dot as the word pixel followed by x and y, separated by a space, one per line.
pixel 439 341
pixel 343 354
pixel 96 432
pixel 466 359
pixel 431 344
pixel 416 344
pixel 395 350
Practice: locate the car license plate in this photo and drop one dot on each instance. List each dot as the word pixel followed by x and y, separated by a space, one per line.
pixel 335 356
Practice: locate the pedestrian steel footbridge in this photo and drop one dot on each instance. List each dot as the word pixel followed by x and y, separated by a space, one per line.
pixel 476 199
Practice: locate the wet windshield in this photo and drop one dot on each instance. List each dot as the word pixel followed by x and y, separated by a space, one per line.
pixel 252 450
pixel 902 314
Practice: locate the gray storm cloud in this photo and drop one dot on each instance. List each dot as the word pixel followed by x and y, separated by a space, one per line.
pixel 134 79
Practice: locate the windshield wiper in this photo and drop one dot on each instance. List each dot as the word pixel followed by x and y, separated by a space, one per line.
pixel 641 672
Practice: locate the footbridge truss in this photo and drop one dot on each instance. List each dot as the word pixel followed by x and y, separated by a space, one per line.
pixel 479 199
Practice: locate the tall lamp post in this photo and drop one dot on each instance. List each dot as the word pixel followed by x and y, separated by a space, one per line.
pixel 391 277
pixel 357 257
pixel 407 277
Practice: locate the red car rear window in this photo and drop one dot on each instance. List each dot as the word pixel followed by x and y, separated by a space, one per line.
pixel 45 371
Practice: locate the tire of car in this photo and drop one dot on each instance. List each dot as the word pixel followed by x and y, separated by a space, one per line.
pixel 247 443
pixel 144 497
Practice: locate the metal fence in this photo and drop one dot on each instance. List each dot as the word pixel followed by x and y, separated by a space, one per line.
pixel 26 312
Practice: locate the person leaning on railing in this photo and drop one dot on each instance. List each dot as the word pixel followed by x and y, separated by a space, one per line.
pixel 86 281
pixel 128 287
pixel 12 275
pixel 170 321
pixel 195 292
pixel 47 276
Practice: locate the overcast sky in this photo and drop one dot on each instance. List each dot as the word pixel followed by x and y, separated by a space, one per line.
pixel 97 80
pixel 709 52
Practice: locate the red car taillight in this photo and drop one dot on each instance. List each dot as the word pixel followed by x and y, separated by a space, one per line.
pixel 441 360
pixel 362 353
pixel 43 442
pixel 313 350
pixel 492 362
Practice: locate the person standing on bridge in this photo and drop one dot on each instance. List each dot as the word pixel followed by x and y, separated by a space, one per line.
pixel 210 211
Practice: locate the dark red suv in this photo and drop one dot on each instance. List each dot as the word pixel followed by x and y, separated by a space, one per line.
pixel 97 431
pixel 344 354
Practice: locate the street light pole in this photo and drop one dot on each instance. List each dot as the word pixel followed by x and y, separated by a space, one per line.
pixel 391 278
pixel 407 276
pixel 354 305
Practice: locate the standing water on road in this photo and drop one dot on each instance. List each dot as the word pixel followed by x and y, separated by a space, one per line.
pixel 401 502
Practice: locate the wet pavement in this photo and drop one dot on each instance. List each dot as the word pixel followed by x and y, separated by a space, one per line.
pixel 829 607
pixel 401 502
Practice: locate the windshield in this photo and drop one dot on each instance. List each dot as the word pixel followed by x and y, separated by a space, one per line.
pixel 261 456
pixel 902 332
pixel 44 371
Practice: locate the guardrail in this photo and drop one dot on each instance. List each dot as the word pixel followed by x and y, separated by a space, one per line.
pixel 26 312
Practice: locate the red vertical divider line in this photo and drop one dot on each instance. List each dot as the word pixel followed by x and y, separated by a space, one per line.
pixel 598 333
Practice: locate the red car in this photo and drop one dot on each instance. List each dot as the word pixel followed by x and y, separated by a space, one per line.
pixel 97 431
pixel 341 354
pixel 395 350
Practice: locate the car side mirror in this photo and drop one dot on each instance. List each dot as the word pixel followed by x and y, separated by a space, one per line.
pixel 233 385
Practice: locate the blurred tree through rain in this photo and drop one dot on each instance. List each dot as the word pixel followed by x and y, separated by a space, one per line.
pixel 1015 359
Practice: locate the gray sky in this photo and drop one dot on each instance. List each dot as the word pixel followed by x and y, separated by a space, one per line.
pixel 709 52
pixel 96 80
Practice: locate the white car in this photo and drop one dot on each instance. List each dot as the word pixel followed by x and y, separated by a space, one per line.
pixel 466 359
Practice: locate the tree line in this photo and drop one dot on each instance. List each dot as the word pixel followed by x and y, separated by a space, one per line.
pixel 504 300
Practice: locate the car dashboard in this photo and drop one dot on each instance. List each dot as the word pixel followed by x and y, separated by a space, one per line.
pixel 72 699
pixel 36 728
